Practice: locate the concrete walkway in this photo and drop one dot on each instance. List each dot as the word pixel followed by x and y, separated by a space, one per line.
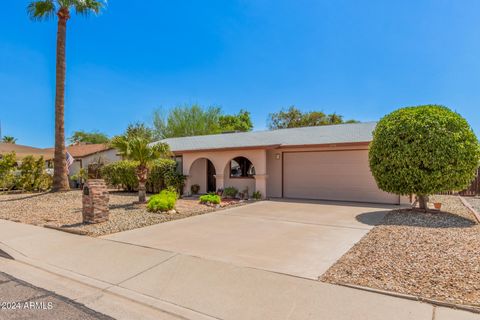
pixel 129 281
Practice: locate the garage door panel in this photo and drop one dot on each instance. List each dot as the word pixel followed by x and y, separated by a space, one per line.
pixel 332 175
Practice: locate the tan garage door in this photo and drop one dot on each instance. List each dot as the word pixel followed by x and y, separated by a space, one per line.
pixel 331 175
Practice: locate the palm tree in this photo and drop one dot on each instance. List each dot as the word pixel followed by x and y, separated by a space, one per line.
pixel 138 148
pixel 47 9
pixel 9 139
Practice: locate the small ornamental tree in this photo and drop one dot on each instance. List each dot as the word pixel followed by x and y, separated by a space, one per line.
pixel 423 150
pixel 137 148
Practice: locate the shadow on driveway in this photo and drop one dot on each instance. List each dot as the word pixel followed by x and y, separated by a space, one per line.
pixel 412 218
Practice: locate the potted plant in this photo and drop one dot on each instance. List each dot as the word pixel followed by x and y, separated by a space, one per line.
pixel 437 205
pixel 195 188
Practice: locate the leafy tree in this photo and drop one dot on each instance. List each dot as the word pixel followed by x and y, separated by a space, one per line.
pixel 195 120
pixel 89 137
pixel 32 175
pixel 8 163
pixel 48 9
pixel 236 122
pixel 137 147
pixel 139 129
pixel 187 121
pixel 294 118
pixel 423 150
pixel 9 139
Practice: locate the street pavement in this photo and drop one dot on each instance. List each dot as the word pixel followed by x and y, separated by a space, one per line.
pixel 21 300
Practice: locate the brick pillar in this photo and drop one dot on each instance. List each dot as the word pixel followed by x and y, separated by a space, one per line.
pixel 95 201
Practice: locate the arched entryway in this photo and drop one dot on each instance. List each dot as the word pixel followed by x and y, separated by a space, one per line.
pixel 211 180
pixel 202 173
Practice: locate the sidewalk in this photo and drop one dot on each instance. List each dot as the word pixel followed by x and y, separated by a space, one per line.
pixel 124 281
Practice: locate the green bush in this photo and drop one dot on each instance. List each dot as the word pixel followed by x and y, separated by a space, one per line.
pixel 257 195
pixel 159 176
pixel 210 198
pixel 8 163
pixel 230 192
pixel 163 201
pixel 121 174
pixel 162 174
pixel 32 175
pixel 423 150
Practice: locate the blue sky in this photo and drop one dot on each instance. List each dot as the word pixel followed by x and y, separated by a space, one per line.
pixel 361 59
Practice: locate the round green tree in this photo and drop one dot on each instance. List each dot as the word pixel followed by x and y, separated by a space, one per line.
pixel 423 150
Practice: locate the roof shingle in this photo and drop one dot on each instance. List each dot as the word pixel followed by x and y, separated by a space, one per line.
pixel 341 133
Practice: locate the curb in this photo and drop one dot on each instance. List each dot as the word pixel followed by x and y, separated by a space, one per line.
pixel 108 288
pixel 469 207
pixel 470 308
pixel 73 231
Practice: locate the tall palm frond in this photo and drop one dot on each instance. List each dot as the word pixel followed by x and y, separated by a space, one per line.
pixel 86 7
pixel 41 10
pixel 139 149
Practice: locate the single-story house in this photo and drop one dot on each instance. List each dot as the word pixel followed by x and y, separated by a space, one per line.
pixel 85 154
pixel 324 162
pixel 82 153
pixel 22 151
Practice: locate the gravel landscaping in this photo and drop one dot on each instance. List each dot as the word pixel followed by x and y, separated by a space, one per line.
pixel 65 210
pixel 429 255
pixel 474 202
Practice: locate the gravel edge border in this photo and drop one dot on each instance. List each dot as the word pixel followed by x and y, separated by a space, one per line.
pixel 207 210
pixel 471 208
pixel 463 307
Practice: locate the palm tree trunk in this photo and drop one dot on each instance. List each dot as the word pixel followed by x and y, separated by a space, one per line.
pixel 142 193
pixel 60 174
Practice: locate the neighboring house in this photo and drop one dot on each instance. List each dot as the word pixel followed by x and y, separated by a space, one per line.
pixel 85 154
pixel 23 151
pixel 324 162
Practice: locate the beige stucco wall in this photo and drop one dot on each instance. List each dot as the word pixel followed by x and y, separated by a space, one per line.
pixel 220 160
pixel 268 169
pixel 107 156
pixel 274 172
pixel 199 174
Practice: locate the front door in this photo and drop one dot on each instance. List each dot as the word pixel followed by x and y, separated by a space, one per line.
pixel 211 182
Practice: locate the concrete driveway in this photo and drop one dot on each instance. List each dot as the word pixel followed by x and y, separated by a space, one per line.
pixel 302 239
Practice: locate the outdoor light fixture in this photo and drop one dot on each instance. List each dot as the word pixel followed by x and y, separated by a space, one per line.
pixel 277 156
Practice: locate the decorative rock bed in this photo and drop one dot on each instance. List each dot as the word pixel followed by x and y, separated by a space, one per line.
pixel 433 256
pixel 64 211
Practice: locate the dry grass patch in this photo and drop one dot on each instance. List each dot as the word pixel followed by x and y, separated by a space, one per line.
pixel 65 210
pixel 434 255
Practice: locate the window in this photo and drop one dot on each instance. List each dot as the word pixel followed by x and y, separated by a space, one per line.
pixel 179 164
pixel 241 167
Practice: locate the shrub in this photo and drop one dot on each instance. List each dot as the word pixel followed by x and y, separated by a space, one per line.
pixel 121 174
pixel 8 163
pixel 163 201
pixel 195 188
pixel 162 174
pixel 230 192
pixel 210 199
pixel 423 150
pixel 32 175
pixel 175 180
pixel 257 195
